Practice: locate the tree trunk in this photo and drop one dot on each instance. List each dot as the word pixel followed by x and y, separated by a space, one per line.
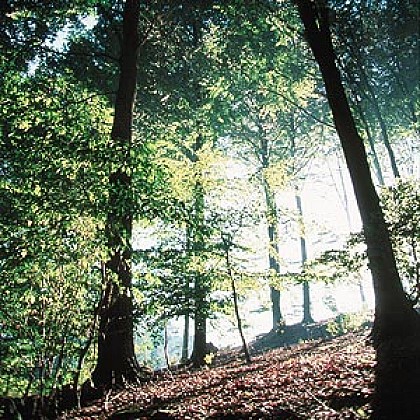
pixel 385 136
pixel 227 245
pixel 361 291
pixel 374 154
pixel 345 196
pixel 200 325
pixel 307 316
pixel 273 252
pixel 185 338
pixel 377 111
pixel 117 363
pixel 239 320
pixel 356 89
pixel 165 346
pixel 278 320
pixel 201 286
pixel 366 86
pixel 396 331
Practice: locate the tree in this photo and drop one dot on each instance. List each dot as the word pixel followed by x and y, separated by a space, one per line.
pixel 117 363
pixel 394 316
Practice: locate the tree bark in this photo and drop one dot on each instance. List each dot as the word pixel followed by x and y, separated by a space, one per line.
pixel 117 363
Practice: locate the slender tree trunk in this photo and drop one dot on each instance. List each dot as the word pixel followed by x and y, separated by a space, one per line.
pixel 396 331
pixel 385 136
pixel 409 97
pixel 239 321
pixel 361 291
pixel 307 316
pixel 165 346
pixel 356 87
pixel 375 158
pixel 274 266
pixel 185 338
pixel 186 334
pixel 372 98
pixel 227 245
pixel 117 363
pixel 345 196
pixel 273 253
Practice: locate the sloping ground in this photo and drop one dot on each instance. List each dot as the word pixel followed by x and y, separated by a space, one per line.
pixel 317 380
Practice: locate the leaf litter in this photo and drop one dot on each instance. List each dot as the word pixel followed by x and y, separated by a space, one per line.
pixel 319 379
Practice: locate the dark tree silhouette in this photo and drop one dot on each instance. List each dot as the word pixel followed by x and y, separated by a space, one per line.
pixel 117 363
pixel 396 330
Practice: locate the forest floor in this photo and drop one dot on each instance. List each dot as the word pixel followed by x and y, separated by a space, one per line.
pixel 316 379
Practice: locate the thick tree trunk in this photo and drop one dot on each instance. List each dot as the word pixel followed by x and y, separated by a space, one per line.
pixel 396 331
pixel 195 234
pixel 275 307
pixel 117 363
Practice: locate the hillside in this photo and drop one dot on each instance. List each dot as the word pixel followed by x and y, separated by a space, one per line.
pixel 317 379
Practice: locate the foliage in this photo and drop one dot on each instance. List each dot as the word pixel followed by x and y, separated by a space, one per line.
pixel 53 174
pixel 26 27
pixel 48 300
pixel 401 205
pixel 345 323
